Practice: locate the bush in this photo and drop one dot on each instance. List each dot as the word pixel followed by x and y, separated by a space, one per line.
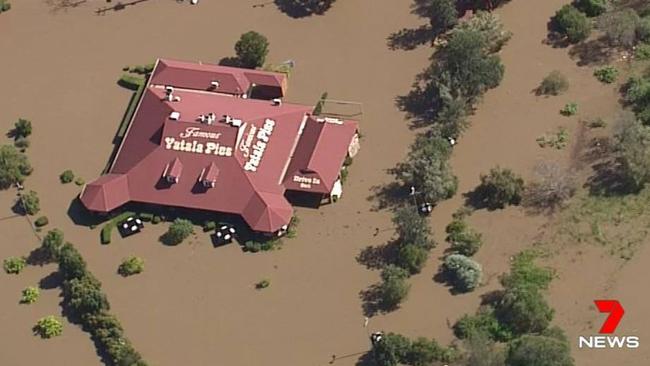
pixel 524 274
pixel 251 49
pixel 30 295
pixel 84 295
pixel 412 228
pixel 41 221
pixel 570 109
pixel 52 244
pixel 597 123
pixel 4 6
pixel 592 8
pixel 620 27
pixel 539 350
pixel 292 228
pixel 252 246
pixel 48 327
pixel 572 24
pixel 79 181
pixel 643 52
pixel 106 233
pixel 499 188
pixel 14 265
pixel 558 140
pixel 22 143
pixel 607 74
pixel 554 83
pixel 178 231
pixel 489 25
pixel 463 239
pixel 552 187
pixel 130 82
pixel 412 258
pixel 66 177
pixel 22 128
pixel 142 69
pixel 637 94
pixel 146 216
pixel 14 166
pixel 318 109
pixel 633 147
pixel 30 203
pixel 209 226
pixel 394 349
pixel 465 274
pixel 484 322
pixel 263 284
pixel 156 220
pixel 131 266
pixel 643 30
pixel 394 289
pixel 71 264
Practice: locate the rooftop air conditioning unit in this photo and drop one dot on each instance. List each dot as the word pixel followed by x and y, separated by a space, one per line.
pixel 236 122
pixel 169 89
pixel 174 116
pixel 277 102
pixel 214 84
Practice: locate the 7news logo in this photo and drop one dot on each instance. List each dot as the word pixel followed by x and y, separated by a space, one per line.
pixel 616 312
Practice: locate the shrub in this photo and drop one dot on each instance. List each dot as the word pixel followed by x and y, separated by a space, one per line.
pixel 14 166
pixel 484 322
pixel 263 284
pixel 525 274
pixel 79 181
pixel 251 49
pixel 71 264
pixel 30 295
pixel 499 188
pixel 632 145
pixel 412 258
pixel 209 226
pixel 570 109
pixel 554 83
pixel 394 289
pixel 559 140
pixel 465 274
pixel 4 5
pixel 22 128
pixel 572 24
pixel 552 187
pixel 142 69
pixel 489 25
pixel 22 143
pixel 412 228
pixel 463 239
pixel 84 295
pixel 292 228
pixel 66 177
pixel 597 123
pixel 48 327
pixel 592 8
pixel 178 231
pixel 41 221
pixel 318 109
pixel 131 266
pixel 620 27
pixel 130 82
pixel 30 203
pixel 643 30
pixel 146 216
pixel 52 243
pixel 252 246
pixel 14 265
pixel 643 52
pixel 637 94
pixel 156 220
pixel 539 350
pixel 106 233
pixel 607 74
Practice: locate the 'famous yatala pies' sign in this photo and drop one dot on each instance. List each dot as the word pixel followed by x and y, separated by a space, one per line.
pixel 186 143
pixel 254 144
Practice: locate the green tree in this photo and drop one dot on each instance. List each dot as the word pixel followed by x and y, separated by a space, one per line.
pixel 22 128
pixel 71 264
pixel 412 228
pixel 391 350
pixel 637 94
pixel 14 166
pixel 572 23
pixel 489 25
pixel 463 239
pixel 425 352
pixel 178 231
pixel 524 310
pixel 30 203
pixel 442 14
pixel 428 170
pixel 538 350
pixel 48 327
pixel 465 274
pixel 85 295
pixel 484 322
pixel 252 49
pixel 482 351
pixel 633 144
pixel 52 243
pixel 620 27
pixel 394 289
pixel 592 8
pixel 499 188
pixel 412 258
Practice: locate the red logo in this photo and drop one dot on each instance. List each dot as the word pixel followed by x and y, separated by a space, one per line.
pixel 616 312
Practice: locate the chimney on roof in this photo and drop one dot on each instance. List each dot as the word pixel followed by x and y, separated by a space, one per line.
pixel 174 116
pixel 277 102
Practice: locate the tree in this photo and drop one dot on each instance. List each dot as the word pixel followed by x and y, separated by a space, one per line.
pixel 465 274
pixel 554 83
pixel 620 27
pixel 524 310
pixel 71 264
pixel 572 24
pixel 412 228
pixel 14 166
pixel 484 322
pixel 637 94
pixel 482 351
pixel 30 203
pixel 252 49
pixel 428 170
pixel 391 350
pixel 394 289
pixel 442 14
pixel 592 8
pixel 634 147
pixel 538 350
pixel 553 185
pixel 499 188
pixel 131 266
pixel 178 231
pixel 412 258
pixel 302 8
pixel 463 239
pixel 48 327
pixel 52 243
pixel 425 352
pixel 489 25
pixel 85 295
pixel 22 128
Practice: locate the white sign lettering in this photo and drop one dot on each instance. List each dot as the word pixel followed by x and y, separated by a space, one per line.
pixel 263 136
pixel 213 148
pixel 196 132
pixel 306 182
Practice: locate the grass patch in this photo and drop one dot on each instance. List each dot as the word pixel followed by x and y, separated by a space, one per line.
pixel 558 140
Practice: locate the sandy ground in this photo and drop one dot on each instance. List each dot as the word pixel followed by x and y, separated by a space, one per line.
pixel 195 305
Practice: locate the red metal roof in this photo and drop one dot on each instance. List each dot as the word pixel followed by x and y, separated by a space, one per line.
pixel 248 163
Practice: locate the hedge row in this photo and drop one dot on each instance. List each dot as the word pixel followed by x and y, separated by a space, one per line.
pixel 107 229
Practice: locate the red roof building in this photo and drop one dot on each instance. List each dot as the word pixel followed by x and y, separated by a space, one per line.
pixel 201 139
